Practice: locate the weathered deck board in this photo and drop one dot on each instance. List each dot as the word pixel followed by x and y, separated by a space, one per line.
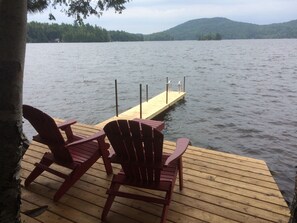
pixel 218 187
pixel 150 109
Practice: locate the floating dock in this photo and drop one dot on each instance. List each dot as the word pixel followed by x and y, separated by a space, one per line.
pixel 151 108
pixel 218 187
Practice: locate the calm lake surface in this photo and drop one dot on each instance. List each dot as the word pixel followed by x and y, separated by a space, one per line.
pixel 241 94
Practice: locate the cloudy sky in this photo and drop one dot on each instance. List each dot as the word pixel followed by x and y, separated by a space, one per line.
pixel 149 16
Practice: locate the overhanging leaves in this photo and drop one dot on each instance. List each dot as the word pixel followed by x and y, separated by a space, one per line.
pixel 79 9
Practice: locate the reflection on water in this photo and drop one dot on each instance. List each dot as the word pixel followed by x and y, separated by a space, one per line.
pixel 241 94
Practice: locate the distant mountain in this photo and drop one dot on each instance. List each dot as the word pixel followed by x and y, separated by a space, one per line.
pixel 198 29
pixel 227 29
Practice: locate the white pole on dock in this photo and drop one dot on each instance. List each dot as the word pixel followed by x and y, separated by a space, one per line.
pixel 146 91
pixel 140 101
pixel 116 97
pixel 166 89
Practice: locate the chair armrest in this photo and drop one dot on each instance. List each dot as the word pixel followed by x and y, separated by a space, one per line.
pixel 97 136
pixel 181 146
pixel 66 124
pixel 66 127
pixel 159 125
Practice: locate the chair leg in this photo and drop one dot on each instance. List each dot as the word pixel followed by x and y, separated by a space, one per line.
pixel 104 153
pixel 166 205
pixel 63 189
pixel 109 201
pixel 164 213
pixel 75 175
pixel 38 170
pixel 180 174
pixel 107 164
pixel 69 181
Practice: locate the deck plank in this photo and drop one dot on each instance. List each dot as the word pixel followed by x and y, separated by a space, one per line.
pixel 218 187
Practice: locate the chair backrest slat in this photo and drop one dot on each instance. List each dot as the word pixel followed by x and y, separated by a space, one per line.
pixel 116 140
pixel 138 148
pixel 149 149
pixel 127 140
pixel 130 152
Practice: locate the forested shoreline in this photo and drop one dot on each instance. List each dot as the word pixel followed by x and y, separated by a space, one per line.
pixel 45 33
pixel 198 29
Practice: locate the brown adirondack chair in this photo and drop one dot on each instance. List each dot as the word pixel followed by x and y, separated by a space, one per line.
pixel 76 153
pixel 138 148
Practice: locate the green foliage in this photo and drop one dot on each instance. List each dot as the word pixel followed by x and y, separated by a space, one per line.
pixel 79 9
pixel 84 33
pixel 210 36
pixel 36 5
pixel 124 36
pixel 44 32
pixel 227 29
pixel 161 36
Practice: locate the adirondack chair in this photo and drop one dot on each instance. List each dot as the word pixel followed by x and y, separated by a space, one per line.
pixel 138 148
pixel 76 153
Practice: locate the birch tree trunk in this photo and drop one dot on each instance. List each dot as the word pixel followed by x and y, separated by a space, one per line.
pixel 13 20
pixel 293 206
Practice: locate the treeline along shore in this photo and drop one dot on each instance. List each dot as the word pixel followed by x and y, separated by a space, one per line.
pixel 197 29
pixel 44 33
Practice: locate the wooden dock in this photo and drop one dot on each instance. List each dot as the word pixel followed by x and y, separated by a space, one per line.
pixel 218 187
pixel 150 109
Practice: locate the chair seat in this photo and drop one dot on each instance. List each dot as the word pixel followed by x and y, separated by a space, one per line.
pixel 83 152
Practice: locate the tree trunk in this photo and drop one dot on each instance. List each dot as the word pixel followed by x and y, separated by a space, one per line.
pixel 293 206
pixel 13 20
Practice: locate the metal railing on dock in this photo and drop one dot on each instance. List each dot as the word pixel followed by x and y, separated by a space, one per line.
pixel 148 109
pixel 168 90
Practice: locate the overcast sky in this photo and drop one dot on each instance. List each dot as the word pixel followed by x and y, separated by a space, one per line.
pixel 149 16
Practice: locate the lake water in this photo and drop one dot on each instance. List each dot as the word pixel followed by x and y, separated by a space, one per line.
pixel 241 94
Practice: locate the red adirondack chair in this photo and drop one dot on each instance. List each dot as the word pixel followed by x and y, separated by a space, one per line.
pixel 76 153
pixel 138 148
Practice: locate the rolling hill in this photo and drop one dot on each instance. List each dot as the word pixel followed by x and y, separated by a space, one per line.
pixel 227 29
pixel 197 29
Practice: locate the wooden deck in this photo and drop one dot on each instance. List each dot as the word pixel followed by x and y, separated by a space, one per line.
pixel 218 187
pixel 150 109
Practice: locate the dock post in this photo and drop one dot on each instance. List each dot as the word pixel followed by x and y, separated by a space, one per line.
pixel 184 88
pixel 140 101
pixel 166 83
pixel 146 91
pixel 179 87
pixel 167 86
pixel 116 97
